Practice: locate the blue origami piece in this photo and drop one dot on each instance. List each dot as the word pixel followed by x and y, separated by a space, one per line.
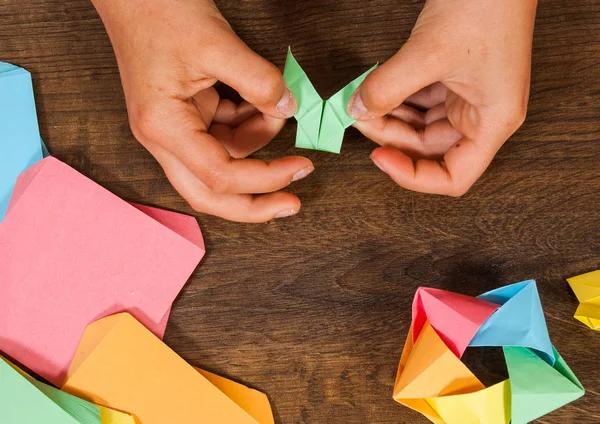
pixel 20 142
pixel 518 322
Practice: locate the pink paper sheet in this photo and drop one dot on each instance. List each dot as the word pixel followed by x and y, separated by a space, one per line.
pixel 71 252
pixel 441 308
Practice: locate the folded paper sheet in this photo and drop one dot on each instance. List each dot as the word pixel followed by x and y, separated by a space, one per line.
pixel 518 322
pixel 538 388
pixel 321 124
pixel 432 379
pixel 455 317
pixel 122 365
pixel 587 289
pixel 72 252
pixel 24 400
pixel 20 145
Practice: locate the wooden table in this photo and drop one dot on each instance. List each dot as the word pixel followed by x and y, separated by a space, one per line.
pixel 314 310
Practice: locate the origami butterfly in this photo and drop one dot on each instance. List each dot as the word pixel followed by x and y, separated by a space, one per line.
pixel 321 123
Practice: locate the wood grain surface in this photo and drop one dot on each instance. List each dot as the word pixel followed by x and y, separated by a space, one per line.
pixel 314 310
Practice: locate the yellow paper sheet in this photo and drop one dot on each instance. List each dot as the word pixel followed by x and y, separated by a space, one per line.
pixel 488 406
pixel 110 416
pixel 587 289
pixel 122 365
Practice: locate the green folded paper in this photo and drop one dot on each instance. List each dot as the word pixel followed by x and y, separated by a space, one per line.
pixel 321 124
pixel 24 400
pixel 538 388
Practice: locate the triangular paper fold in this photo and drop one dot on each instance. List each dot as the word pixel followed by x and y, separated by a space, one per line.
pixel 432 370
pixel 518 322
pixel 72 252
pixel 121 364
pixel 455 317
pixel 24 400
pixel 538 388
pixel 587 289
pixel 20 145
pixel 487 406
pixel 321 124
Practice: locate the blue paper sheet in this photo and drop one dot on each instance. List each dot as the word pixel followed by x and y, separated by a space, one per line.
pixel 518 322
pixel 20 142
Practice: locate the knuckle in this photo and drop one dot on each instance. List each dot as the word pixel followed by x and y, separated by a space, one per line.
pixel 216 182
pixel 198 205
pixel 519 113
pixel 459 189
pixel 515 113
pixel 146 124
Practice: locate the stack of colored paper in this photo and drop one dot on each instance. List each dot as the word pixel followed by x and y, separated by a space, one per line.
pixel 433 380
pixel 587 289
pixel 71 255
pixel 71 252
pixel 122 365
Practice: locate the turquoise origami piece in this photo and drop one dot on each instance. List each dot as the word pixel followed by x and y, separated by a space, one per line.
pixel 518 322
pixel 321 124
pixel 20 142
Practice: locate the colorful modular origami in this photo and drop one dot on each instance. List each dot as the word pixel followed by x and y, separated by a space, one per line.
pixel 587 289
pixel 321 124
pixel 433 380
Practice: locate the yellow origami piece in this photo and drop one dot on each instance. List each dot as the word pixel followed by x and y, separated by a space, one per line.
pixel 587 289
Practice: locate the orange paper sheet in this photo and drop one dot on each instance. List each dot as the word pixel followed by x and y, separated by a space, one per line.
pixel 122 365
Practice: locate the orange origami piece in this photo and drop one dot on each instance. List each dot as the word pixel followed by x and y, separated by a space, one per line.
pixel 122 365
pixel 429 369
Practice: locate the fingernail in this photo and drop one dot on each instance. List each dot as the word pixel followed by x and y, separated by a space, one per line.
pixel 287 106
pixel 303 173
pixel 379 165
pixel 356 108
pixel 286 212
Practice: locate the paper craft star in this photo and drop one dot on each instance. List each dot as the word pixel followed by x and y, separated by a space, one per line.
pixel 587 289
pixel 433 380
pixel 321 124
pixel 518 322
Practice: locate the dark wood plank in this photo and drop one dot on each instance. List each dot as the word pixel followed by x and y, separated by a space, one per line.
pixel 314 310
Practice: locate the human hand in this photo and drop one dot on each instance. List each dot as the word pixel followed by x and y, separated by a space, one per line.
pixel 170 54
pixel 467 64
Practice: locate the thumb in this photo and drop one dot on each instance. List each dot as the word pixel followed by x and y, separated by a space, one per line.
pixel 388 86
pixel 256 79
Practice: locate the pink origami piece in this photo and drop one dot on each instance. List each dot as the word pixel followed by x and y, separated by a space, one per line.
pixel 71 252
pixel 455 317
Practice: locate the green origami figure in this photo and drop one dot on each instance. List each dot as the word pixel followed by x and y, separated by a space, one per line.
pixel 321 124
pixel 538 388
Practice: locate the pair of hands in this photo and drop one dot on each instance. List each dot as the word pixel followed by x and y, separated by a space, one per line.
pixel 440 108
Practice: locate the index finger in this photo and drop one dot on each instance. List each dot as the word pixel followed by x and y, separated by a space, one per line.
pixel 461 166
